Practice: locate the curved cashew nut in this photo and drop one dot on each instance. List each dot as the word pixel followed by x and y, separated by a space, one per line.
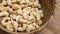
pixel 20 11
pixel 15 25
pixel 13 16
pixel 26 11
pixel 22 1
pixel 28 2
pixel 9 2
pixel 2 8
pixel 23 20
pixel 36 3
pixel 31 17
pixel 40 22
pixel 37 15
pixel 22 28
pixel 25 16
pixel 23 5
pixel 4 14
pixel 30 27
pixel 35 24
pixel 16 6
pixel 4 2
pixel 16 17
pixel 3 21
pixel 9 26
pixel 11 11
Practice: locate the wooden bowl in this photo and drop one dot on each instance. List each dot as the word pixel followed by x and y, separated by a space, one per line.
pixel 48 10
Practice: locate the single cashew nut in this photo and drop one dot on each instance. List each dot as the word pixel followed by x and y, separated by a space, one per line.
pixel 36 25
pixel 22 28
pixel 30 27
pixel 36 3
pixel 9 2
pixel 36 14
pixel 31 17
pixel 5 13
pixel 22 1
pixel 40 22
pixel 16 6
pixel 3 21
pixel 26 11
pixel 20 11
pixel 9 27
pixel 23 20
pixel 15 25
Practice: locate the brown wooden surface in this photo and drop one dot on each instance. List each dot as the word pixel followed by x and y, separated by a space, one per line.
pixel 53 27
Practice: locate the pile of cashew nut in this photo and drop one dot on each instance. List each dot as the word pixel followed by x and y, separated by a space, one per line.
pixel 21 15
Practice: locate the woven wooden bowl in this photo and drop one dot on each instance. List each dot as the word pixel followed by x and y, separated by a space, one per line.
pixel 48 9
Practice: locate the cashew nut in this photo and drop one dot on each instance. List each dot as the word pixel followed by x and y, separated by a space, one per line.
pixel 5 13
pixel 3 21
pixel 31 17
pixel 16 6
pixel 23 20
pixel 36 25
pixel 9 27
pixel 9 2
pixel 11 11
pixel 40 22
pixel 30 27
pixel 4 2
pixel 26 11
pixel 36 3
pixel 22 28
pixel 2 8
pixel 22 1
pixel 20 11
pixel 15 25
pixel 36 14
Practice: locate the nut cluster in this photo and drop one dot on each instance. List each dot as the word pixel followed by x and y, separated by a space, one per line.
pixel 21 15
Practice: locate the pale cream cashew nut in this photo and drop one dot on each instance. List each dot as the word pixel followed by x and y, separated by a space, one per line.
pixel 36 14
pixel 31 17
pixel 9 2
pixel 20 11
pixel 22 28
pixel 5 13
pixel 3 21
pixel 4 2
pixel 15 25
pixel 16 6
pixel 22 1
pixel 9 27
pixel 23 20
pixel 36 25
pixel 26 11
pixel 30 27
pixel 40 22
pixel 36 3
